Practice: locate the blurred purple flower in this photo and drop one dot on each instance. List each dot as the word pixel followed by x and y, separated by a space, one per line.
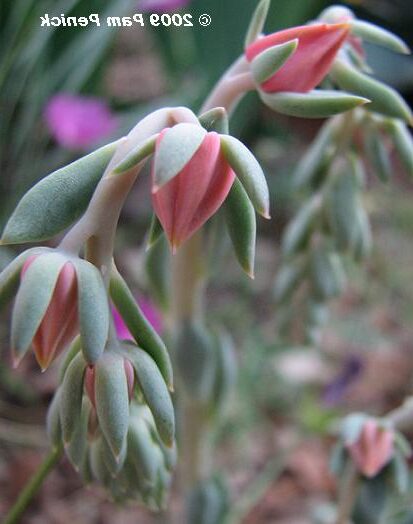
pixel 350 372
pixel 150 312
pixel 77 122
pixel 162 6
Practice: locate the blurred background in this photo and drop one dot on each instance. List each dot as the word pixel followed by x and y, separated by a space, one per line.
pixel 64 91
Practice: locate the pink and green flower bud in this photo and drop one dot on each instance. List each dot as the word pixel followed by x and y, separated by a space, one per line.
pixel 317 47
pixel 60 323
pixel 90 381
pixel 186 201
pixel 373 449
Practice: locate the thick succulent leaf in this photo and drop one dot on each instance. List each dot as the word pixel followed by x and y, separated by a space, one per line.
pixel 157 270
pixel 58 199
pixel 71 397
pixel 155 231
pixel 315 104
pixel 195 359
pixel 288 278
pixel 142 452
pixel 112 400
pixel 226 370
pixel 98 465
pixel 93 310
pixel 215 120
pixel 267 63
pixel 154 390
pixel 32 300
pixel 377 35
pixel 177 147
pixel 383 99
pixel 10 276
pixel 352 426
pixel 141 329
pixel 241 223
pixel 137 155
pixel 297 233
pixel 53 425
pixel 76 449
pixel 257 22
pixel 249 172
pixel 403 142
pixel 377 153
pixel 327 274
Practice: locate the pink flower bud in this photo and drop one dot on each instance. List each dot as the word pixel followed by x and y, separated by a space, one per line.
pixel 60 323
pixel 89 381
pixel 373 449
pixel 317 47
pixel 187 201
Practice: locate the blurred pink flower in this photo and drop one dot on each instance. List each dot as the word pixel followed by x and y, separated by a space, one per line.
pixel 77 122
pixel 162 6
pixel 148 309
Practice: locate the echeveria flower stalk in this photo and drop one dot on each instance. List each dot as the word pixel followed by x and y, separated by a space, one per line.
pixel 317 47
pixel 373 448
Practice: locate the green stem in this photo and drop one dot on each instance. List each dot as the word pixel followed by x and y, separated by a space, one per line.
pixel 33 486
pixel 348 493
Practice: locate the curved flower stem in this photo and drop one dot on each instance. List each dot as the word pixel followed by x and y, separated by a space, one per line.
pixel 188 285
pixel 33 486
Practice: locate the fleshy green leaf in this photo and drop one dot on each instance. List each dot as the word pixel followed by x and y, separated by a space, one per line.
pixel 141 329
pixel 215 120
pixel 142 451
pixel 299 229
pixel 377 153
pixel 157 270
pixel 384 99
pixel 241 223
pixel 377 35
pixel 155 231
pixel 93 310
pixel 71 397
pixel 327 274
pixel 76 449
pixel 257 22
pixel 53 425
pixel 267 63
pixel 112 400
pixel 249 172
pixel 58 199
pixel 288 278
pixel 154 390
pixel 403 142
pixel 315 104
pixel 32 300
pixel 352 426
pixel 137 155
pixel 177 147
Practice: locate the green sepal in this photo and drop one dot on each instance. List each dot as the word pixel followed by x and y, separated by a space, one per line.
pixel 215 119
pixel 351 427
pixel 327 274
pixel 364 243
pixel 114 464
pixel 288 278
pixel 401 472
pixel 154 390
pixel 195 361
pixel 155 231
pixel 138 154
pixel 157 266
pixel 93 310
pixel 141 451
pixel 112 400
pixel 141 329
pixel 10 276
pixel 257 22
pixel 267 63
pixel 240 219
pixel 53 425
pixel 299 229
pixel 32 300
pixel 71 397
pixel 314 104
pixel 98 465
pixel 403 142
pixel 377 35
pixel 249 172
pixel 76 448
pixel 55 202
pixel 178 145
pixel 383 99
